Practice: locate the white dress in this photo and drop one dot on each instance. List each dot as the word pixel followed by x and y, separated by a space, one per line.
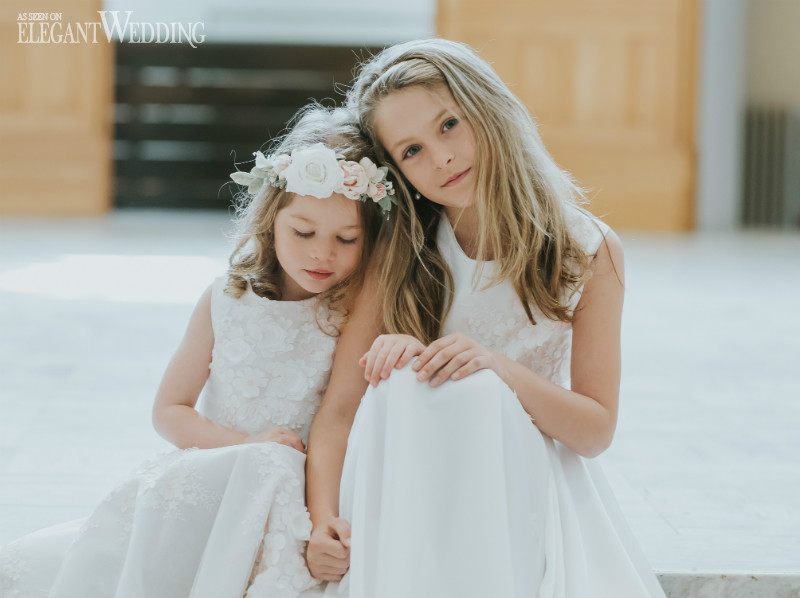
pixel 211 523
pixel 453 491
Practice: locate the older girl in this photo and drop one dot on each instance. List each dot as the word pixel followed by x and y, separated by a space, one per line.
pixel 496 379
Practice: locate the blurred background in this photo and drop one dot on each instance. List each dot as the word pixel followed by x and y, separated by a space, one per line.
pixel 676 114
pixel 681 117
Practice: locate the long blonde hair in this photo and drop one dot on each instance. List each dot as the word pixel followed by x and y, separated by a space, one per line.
pixel 254 262
pixel 520 194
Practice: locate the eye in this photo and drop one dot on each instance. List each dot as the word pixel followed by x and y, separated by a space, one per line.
pixel 344 241
pixel 449 124
pixel 303 235
pixel 411 151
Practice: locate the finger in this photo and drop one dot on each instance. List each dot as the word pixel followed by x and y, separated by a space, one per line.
pixel 342 530
pixel 366 360
pixel 326 575
pixel 335 552
pixel 408 354
pixel 292 440
pixel 426 354
pixel 321 556
pixel 391 360
pixel 372 355
pixel 380 361
pixel 332 550
pixel 457 362
pixel 468 368
pixel 330 569
pixel 298 443
pixel 439 360
pixel 431 350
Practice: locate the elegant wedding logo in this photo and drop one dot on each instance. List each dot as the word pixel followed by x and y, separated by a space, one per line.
pixel 50 28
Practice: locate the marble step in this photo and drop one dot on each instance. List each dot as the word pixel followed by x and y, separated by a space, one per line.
pixel 730 585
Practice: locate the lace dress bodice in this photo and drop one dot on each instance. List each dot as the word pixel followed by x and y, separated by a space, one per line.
pixel 270 363
pixel 495 317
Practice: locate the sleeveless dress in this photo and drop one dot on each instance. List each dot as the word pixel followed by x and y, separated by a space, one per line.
pixel 453 491
pixel 205 523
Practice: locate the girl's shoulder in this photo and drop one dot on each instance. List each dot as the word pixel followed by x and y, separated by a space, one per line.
pixel 585 228
pixel 221 303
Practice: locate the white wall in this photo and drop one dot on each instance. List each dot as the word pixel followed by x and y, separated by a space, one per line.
pixel 323 22
pixel 721 113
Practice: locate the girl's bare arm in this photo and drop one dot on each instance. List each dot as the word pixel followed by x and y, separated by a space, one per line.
pixel 584 418
pixel 328 440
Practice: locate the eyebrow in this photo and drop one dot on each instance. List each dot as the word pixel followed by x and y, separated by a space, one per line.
pixel 433 120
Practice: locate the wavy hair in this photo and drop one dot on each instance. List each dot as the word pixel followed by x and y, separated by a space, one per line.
pixel 254 262
pixel 520 194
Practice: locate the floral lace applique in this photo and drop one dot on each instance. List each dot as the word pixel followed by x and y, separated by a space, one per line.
pixel 270 363
pixel 174 486
pixel 280 569
pixel 12 569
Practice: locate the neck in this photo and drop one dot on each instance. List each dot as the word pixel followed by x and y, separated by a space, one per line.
pixel 291 291
pixel 465 226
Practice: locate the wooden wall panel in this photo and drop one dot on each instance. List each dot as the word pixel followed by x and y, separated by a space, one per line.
pixel 55 117
pixel 612 86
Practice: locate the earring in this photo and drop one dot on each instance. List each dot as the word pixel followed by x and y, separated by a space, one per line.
pixel 417 196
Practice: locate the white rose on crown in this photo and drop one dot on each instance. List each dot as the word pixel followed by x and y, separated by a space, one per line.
pixel 314 170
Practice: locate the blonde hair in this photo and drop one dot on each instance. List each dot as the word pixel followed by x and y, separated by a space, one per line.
pixel 254 262
pixel 520 193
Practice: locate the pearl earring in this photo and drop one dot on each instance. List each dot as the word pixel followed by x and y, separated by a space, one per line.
pixel 417 195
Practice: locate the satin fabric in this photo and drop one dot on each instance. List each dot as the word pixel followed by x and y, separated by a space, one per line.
pixel 453 491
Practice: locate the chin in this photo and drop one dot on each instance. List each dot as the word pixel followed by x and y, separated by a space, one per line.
pixel 320 288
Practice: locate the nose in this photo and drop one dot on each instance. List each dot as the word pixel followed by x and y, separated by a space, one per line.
pixel 443 155
pixel 323 251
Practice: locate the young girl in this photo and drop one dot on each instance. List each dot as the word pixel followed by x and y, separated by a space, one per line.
pixel 231 520
pixel 468 470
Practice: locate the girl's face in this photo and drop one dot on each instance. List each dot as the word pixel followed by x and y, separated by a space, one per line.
pixel 431 142
pixel 318 243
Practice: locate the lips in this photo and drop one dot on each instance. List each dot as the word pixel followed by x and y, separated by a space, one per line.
pixel 457 178
pixel 319 274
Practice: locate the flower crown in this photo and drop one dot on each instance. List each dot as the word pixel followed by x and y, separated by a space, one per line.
pixel 317 170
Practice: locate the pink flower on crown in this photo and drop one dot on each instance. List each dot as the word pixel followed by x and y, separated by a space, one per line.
pixel 371 169
pixel 377 191
pixel 355 181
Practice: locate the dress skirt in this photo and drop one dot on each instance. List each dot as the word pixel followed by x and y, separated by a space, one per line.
pixel 453 491
pixel 215 523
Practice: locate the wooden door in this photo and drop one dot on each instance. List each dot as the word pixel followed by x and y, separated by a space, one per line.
pixel 612 86
pixel 55 115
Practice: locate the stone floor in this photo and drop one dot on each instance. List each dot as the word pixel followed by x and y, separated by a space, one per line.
pixel 706 461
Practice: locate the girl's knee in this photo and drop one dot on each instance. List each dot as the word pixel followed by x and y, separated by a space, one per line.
pixel 398 379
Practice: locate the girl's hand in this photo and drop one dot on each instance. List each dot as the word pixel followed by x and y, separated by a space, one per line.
pixel 328 551
pixel 279 435
pixel 455 356
pixel 388 351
